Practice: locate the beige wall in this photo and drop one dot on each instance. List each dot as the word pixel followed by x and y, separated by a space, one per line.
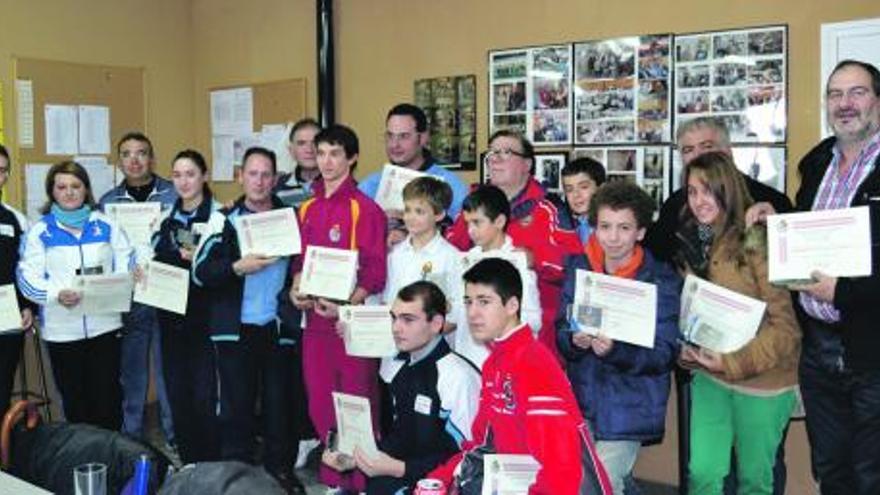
pixel 112 32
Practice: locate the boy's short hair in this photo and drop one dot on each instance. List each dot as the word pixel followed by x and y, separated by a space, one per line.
pixel 431 189
pixel 622 195
pixel 410 110
pixel 264 152
pixel 491 200
pixel 340 135
pixel 500 275
pixel 302 124
pixel 585 165
pixel 432 298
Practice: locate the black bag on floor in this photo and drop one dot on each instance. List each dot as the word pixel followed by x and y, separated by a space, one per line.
pixel 221 478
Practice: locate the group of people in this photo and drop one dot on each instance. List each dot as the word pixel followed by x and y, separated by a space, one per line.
pixel 481 286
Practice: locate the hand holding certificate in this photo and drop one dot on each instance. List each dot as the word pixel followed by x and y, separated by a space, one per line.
pixel 390 193
pixel 508 474
pixel 329 273
pixel 717 318
pixel 270 233
pixel 10 315
pixel 618 308
pixel 355 424
pixel 102 294
pixel 165 287
pixel 835 242
pixel 138 220
pixel 368 331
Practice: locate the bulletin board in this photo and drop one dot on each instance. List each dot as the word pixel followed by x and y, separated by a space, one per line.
pixel 66 83
pixel 275 102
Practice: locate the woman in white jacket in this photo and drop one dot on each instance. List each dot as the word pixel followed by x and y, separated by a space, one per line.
pixel 73 238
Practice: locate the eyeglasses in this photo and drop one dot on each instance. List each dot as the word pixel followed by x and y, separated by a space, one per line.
pixel 503 154
pixel 391 137
pixel 856 93
pixel 137 155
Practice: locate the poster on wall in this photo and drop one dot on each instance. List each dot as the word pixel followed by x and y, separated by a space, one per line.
pixel 450 105
pixel 621 90
pixel 648 167
pixel 529 91
pixel 765 164
pixel 738 76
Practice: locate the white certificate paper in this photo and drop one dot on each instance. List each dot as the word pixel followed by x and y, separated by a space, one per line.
pixel 270 233
pixel 618 308
pixel 10 314
pixel 368 331
pixel 102 294
pixel 166 287
pixel 836 242
pixel 355 424
pixel 329 273
pixel 508 474
pixel 390 193
pixel 717 318
pixel 138 220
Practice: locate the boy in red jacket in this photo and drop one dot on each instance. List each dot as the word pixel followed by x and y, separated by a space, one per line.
pixel 526 400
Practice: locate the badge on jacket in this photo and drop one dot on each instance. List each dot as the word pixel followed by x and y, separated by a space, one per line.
pixel 335 233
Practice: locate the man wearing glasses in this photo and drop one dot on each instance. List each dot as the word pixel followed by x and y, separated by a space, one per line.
pixel 141 331
pixel 839 368
pixel 533 224
pixel 406 140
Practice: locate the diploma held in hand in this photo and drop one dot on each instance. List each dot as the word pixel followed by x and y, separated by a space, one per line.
pixel 368 331
pixel 508 474
pixel 166 287
pixel 618 308
pixel 835 242
pixel 391 184
pixel 137 219
pixel 10 314
pixel 270 233
pixel 102 294
pixel 354 423
pixel 717 318
pixel 329 273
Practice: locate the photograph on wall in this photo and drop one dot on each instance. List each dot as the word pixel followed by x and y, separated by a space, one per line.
pixel 450 105
pixel 738 76
pixel 530 92
pixel 621 90
pixel 548 170
pixel 765 164
pixel 648 167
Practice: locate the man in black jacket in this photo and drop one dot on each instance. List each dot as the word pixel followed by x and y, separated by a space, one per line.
pixel 840 369
pixel 12 227
pixel 695 137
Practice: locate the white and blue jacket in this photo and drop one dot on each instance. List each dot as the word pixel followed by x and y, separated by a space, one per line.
pixel 52 257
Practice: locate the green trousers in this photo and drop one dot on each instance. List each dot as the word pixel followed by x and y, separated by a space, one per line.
pixel 722 418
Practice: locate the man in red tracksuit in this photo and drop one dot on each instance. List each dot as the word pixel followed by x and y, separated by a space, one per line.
pixel 526 401
pixel 533 223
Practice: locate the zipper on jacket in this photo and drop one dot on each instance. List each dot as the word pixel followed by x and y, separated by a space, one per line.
pixel 82 263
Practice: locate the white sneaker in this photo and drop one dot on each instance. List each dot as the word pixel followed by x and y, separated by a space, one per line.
pixel 305 448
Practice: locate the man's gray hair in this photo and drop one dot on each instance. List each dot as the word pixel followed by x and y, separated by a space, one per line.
pixel 713 123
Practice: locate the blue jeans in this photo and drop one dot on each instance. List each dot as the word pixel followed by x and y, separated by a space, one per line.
pixel 141 336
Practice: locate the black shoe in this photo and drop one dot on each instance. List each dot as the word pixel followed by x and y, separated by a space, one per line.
pixel 291 484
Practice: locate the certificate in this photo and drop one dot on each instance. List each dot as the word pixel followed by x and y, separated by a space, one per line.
pixel 102 294
pixel 10 314
pixel 836 242
pixel 166 287
pixel 390 193
pixel 368 331
pixel 270 233
pixel 508 474
pixel 618 308
pixel 355 424
pixel 329 273
pixel 138 220
pixel 717 318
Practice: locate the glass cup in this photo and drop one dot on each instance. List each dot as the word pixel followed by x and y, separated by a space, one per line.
pixel 90 479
